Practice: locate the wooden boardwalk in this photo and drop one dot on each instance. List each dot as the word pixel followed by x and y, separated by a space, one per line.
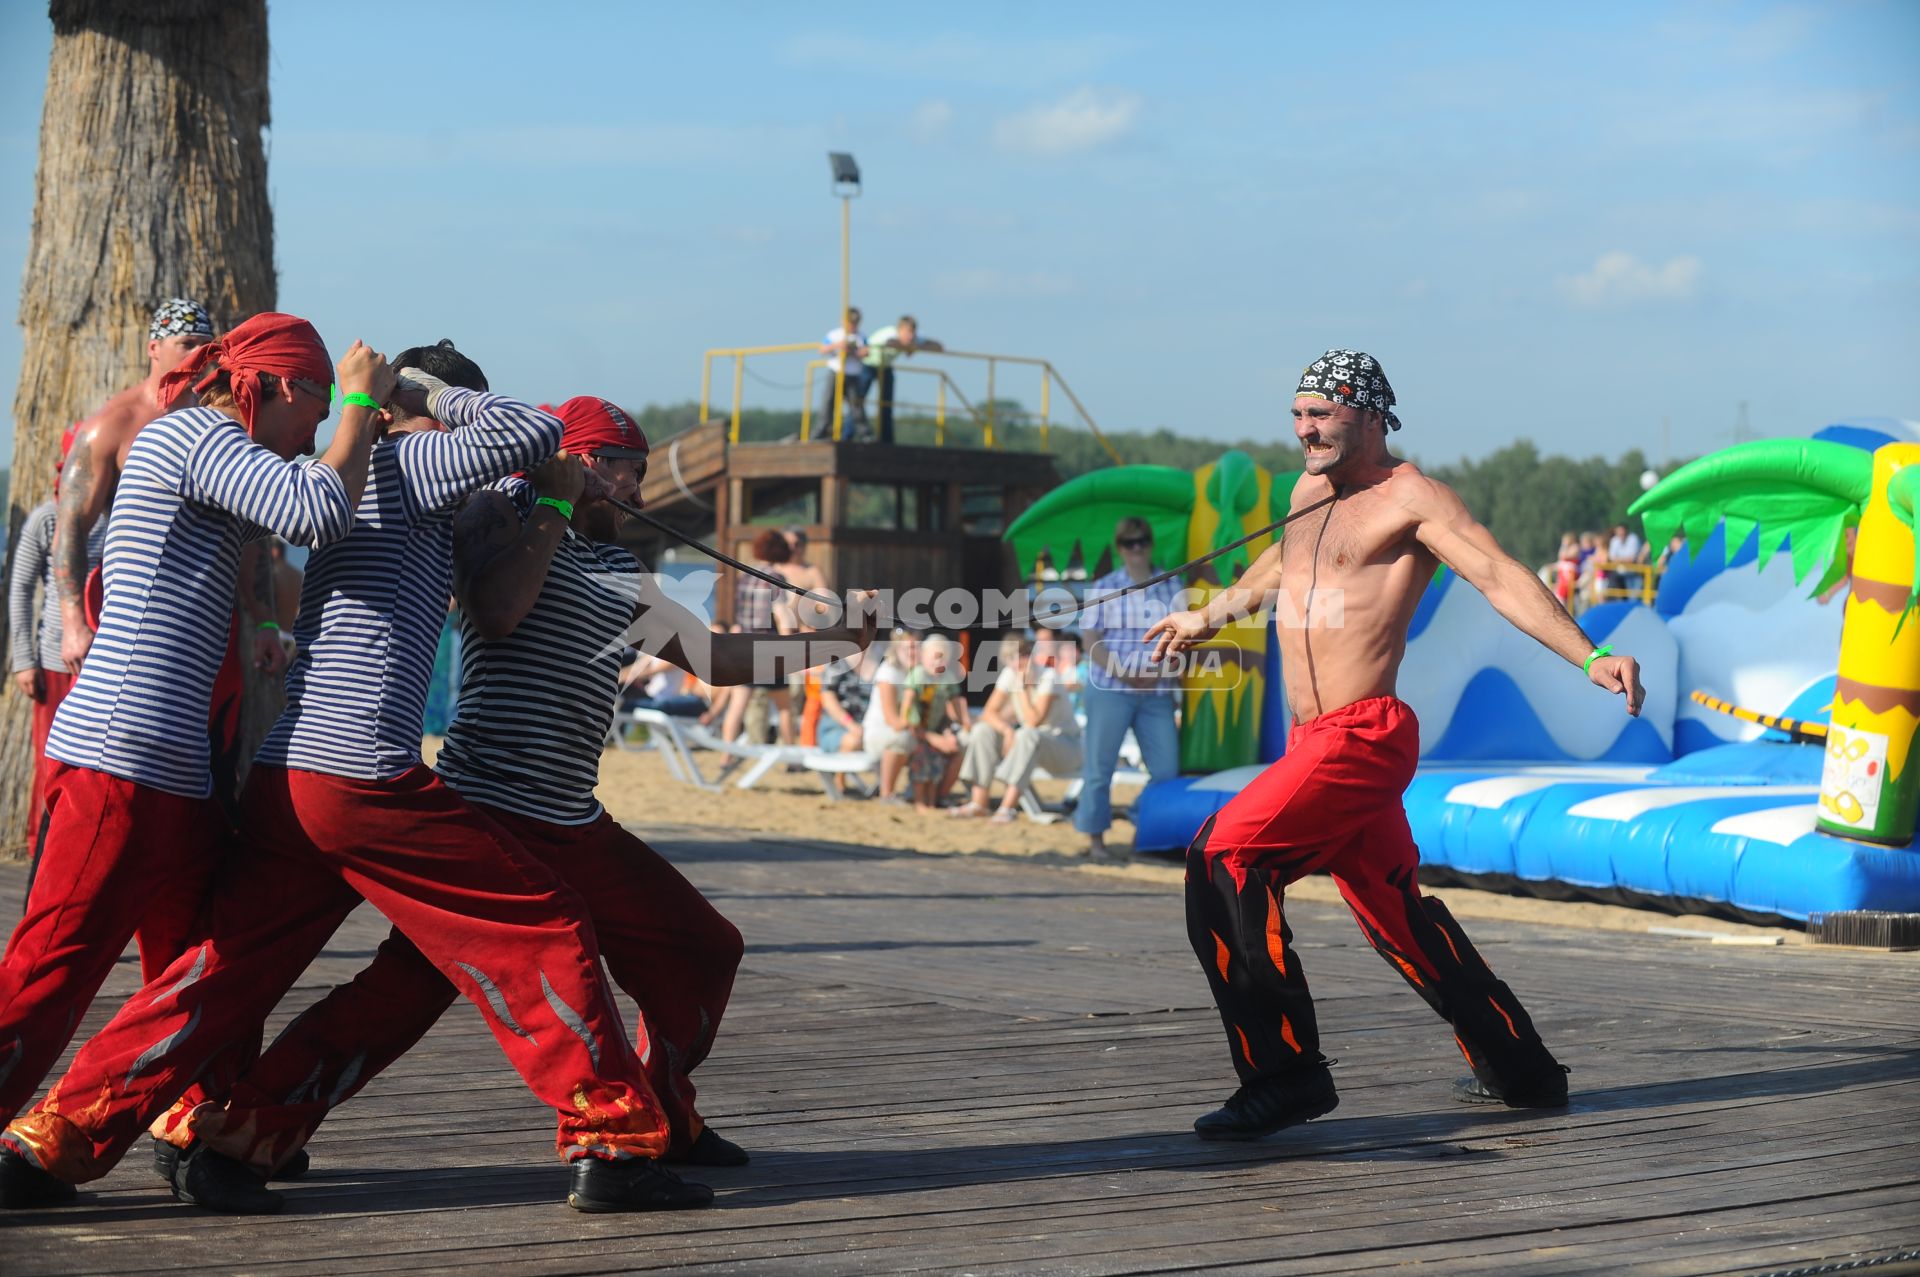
pixel 965 1065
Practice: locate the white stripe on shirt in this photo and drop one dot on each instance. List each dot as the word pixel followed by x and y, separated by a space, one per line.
pixel 194 489
pixel 38 646
pixel 371 607
pixel 535 706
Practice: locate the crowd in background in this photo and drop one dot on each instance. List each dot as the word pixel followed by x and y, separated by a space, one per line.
pixel 1049 709
pixel 1593 567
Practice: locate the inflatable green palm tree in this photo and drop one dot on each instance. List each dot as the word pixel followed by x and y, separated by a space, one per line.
pixel 1809 493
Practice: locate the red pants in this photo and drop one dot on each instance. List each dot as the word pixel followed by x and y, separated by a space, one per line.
pixel 491 918
pixel 1332 803
pixel 672 952
pixel 54 684
pixel 118 860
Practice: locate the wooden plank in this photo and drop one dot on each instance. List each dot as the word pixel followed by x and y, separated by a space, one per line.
pixel 951 1064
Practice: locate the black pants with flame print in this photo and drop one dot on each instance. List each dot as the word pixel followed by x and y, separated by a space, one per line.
pixel 1332 804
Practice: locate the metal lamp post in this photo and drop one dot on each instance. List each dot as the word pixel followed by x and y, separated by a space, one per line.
pixel 846 185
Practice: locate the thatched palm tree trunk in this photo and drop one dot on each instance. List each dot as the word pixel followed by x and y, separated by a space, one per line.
pixel 152 183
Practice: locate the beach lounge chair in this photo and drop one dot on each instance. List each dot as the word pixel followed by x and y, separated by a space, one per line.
pixel 665 734
pixel 764 758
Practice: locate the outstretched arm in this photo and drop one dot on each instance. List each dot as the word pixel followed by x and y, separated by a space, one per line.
pixel 669 630
pixel 1252 593
pixel 1445 526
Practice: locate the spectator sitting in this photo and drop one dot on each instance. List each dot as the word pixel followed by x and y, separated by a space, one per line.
pixel 651 683
pixel 1027 722
pixel 884 729
pixel 895 341
pixel 936 714
pixel 846 690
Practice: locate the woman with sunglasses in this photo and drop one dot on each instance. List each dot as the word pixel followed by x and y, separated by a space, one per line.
pixel 1125 691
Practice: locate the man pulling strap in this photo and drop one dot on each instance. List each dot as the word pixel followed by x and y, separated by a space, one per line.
pixel 548 601
pixel 339 807
pixel 1333 801
pixel 129 843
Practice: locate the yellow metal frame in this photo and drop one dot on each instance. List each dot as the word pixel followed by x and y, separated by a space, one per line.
pixel 1648 587
pixel 939 405
pixel 1049 375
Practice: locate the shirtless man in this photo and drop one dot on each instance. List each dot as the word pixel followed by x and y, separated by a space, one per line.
pixel 1354 574
pixel 180 325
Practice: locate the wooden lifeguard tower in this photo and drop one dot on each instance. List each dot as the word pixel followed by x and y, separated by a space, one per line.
pixel 876 516
pixel 893 516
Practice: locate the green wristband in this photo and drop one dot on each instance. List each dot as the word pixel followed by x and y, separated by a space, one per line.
pixel 564 507
pixel 1605 649
pixel 361 400
pixel 267 625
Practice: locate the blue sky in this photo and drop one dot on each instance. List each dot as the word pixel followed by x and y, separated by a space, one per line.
pixel 1563 223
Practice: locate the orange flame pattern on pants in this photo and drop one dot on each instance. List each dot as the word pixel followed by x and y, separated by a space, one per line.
pixel 1332 804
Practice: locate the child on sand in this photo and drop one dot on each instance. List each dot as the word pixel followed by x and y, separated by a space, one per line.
pixel 936 707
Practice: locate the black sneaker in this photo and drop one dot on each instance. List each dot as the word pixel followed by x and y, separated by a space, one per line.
pixel 216 1182
pixel 633 1183
pixel 1261 1108
pixel 711 1149
pixel 24 1186
pixel 1548 1091
pixel 166 1158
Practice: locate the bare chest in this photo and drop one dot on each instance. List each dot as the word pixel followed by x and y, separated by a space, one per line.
pixel 1349 536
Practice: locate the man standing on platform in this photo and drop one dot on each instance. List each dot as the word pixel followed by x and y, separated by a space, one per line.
pixel 1353 577
pixel 884 348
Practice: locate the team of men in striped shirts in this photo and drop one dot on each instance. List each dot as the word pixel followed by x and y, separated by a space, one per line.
pixel 486 867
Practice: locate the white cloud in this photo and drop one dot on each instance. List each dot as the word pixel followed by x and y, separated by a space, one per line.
pixel 1621 277
pixel 930 119
pixel 1081 121
pixel 991 281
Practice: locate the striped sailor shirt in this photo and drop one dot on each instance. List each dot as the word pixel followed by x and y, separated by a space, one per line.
pixel 371 607
pixel 535 706
pixel 194 489
pixel 33 646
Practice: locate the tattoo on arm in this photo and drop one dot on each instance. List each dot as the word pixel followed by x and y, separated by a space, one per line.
pixel 71 524
pixel 263 600
pixel 484 527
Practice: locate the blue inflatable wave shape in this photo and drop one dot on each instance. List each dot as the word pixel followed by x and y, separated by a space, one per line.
pixel 1862 437
pixel 1429 603
pixel 1688 571
pixel 1752 848
pixel 1814 704
pixel 1495 722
